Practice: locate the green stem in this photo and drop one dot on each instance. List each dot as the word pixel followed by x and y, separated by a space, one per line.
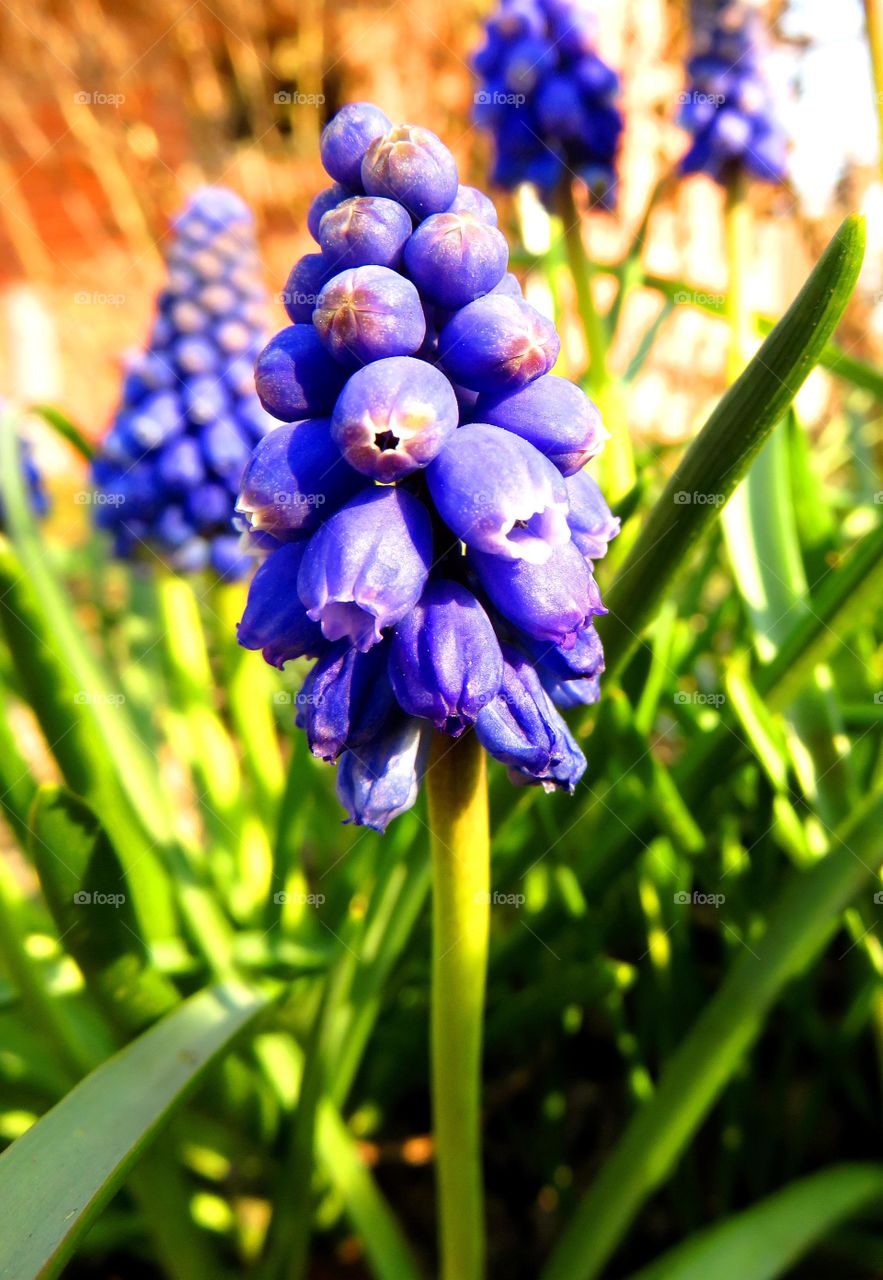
pixel 618 458
pixel 460 843
pixel 583 271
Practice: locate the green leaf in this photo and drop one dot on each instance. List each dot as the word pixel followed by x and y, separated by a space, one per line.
pixel 766 1240
pixel 800 924
pixel 724 449
pixel 57 627
pixel 76 740
pixel 55 1180
pixel 65 428
pixel 88 893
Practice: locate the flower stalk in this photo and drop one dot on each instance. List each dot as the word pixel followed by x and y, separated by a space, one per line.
pixel 460 843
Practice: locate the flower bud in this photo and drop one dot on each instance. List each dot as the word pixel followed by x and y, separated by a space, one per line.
pixel 303 286
pixel 325 200
pixel 346 138
pixel 550 602
pixel 471 200
pixel 552 413
pixel 207 505
pixel 592 526
pixel 225 449
pixel 521 728
pixel 227 558
pixel 347 699
pixel 445 660
pixel 364 231
pixel 413 166
pixel 275 621
pixel 179 465
pixel 498 494
pixel 498 343
pixel 367 313
pixel 296 478
pixel 295 377
pixel 393 417
pixel 367 566
pixel 382 780
pixel 454 258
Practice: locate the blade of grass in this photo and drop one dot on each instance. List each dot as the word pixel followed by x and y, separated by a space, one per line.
pixel 57 1177
pixel 800 924
pixel 765 1241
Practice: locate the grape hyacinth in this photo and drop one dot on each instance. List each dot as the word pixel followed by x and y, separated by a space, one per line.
pixel 169 469
pixel 429 535
pixel 548 99
pixel 729 108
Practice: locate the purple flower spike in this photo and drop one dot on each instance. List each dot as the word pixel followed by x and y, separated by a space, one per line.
pixel 521 728
pixel 454 258
pixel 364 231
pixel 554 415
pixel 445 661
pixel 367 566
pixel 303 286
pixel 498 343
pixel 592 526
pixel 346 701
pixel 380 781
pixel 275 621
pixel 296 478
pixel 295 377
pixel 550 602
pixel 413 166
pixel 330 198
pixel 500 495
pixel 346 138
pixel 367 313
pixel 471 200
pixel 435 362
pixel 393 417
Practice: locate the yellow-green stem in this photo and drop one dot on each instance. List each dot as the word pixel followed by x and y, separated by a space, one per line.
pixel 460 843
pixel 618 458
